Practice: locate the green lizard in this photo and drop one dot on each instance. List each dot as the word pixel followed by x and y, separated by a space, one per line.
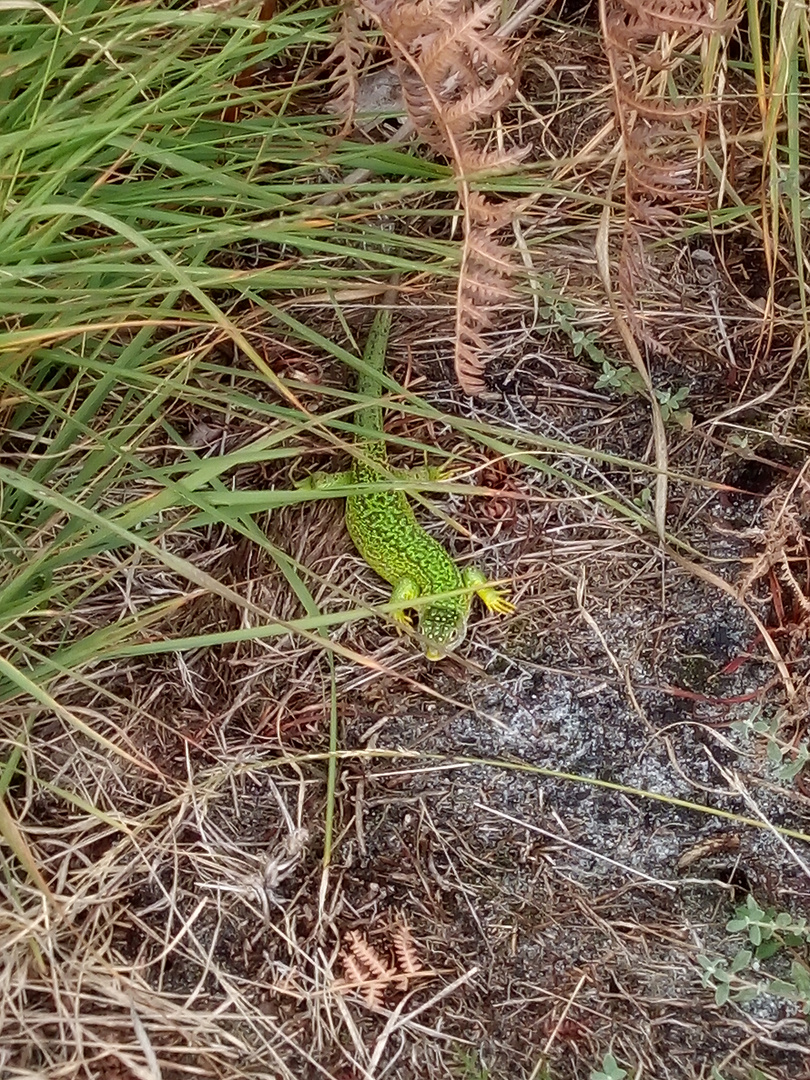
pixel 385 531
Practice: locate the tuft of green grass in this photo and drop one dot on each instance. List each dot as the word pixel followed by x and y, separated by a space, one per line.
pixel 779 41
pixel 127 201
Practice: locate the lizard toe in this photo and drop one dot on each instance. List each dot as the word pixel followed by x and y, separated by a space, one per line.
pixel 402 621
pixel 494 600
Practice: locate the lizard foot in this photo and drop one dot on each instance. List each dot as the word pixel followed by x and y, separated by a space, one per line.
pixel 403 592
pixel 450 470
pixel 432 473
pixel 492 598
pixel 495 600
pixel 402 622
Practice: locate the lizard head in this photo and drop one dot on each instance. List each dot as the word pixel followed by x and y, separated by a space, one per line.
pixel 442 627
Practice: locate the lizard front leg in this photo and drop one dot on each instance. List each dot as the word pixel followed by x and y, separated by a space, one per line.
pixel 432 473
pixel 404 592
pixel 493 599
pixel 321 481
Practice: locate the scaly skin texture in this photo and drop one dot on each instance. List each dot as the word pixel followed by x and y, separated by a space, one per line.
pixel 385 531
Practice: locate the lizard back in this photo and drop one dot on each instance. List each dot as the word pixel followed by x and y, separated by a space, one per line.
pixel 382 524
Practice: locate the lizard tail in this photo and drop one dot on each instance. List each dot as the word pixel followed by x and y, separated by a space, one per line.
pixel 369 385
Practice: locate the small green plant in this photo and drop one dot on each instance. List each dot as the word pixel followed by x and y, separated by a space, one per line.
pixel 787 759
pixel 611 1070
pixel 563 314
pixel 671 403
pixel 741 440
pixel 470 1066
pixel 769 931
pixel 644 500
pixel 624 380
pixel 743 978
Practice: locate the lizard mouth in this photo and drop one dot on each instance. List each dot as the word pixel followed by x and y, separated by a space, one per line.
pixel 434 654
pixel 435 650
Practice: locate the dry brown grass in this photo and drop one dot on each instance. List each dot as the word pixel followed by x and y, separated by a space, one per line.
pixel 174 805
pixel 192 930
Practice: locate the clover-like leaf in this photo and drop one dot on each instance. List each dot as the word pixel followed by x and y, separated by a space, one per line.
pixel 782 988
pixel 774 752
pixel 801 977
pixel 740 961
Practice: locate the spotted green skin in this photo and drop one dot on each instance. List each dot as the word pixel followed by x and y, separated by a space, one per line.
pixel 385 531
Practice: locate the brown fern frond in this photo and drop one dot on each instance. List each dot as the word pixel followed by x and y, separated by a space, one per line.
pixel 365 970
pixel 494 161
pixel 494 215
pixel 470 344
pixel 475 106
pixel 405 950
pixel 633 21
pixel 420 106
pixel 417 23
pixel 355 974
pixel 368 957
pixel 356 977
pixel 463 34
pixel 484 286
pixel 456 73
pixel 468 364
pixel 782 542
pixel 647 43
pixel 368 972
pixel 347 58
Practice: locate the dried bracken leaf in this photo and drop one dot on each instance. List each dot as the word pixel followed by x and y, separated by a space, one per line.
pixel 456 73
pixel 784 542
pixel 705 849
pixel 368 956
pixel 357 977
pixel 646 42
pixel 463 34
pixel 347 58
pixel 367 971
pixel 484 287
pixel 405 950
